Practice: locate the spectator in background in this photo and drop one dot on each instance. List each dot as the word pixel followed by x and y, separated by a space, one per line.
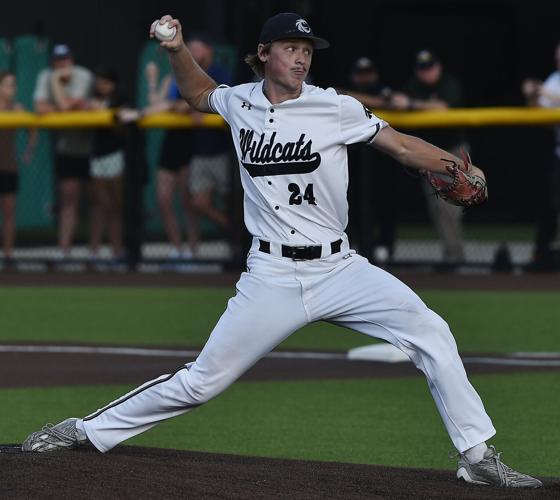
pixel 67 87
pixel 374 176
pixel 210 164
pixel 193 161
pixel 107 167
pixel 173 168
pixel 9 178
pixel 367 86
pixel 547 95
pixel 432 88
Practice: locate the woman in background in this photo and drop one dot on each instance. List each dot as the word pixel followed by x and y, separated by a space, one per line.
pixel 173 172
pixel 9 177
pixel 107 169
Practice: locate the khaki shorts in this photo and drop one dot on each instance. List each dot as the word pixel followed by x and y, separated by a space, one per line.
pixel 210 173
pixel 108 166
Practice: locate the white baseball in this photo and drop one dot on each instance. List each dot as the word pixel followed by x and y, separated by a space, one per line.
pixel 164 32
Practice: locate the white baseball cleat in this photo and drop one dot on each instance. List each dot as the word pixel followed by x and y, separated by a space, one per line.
pixel 492 471
pixel 51 437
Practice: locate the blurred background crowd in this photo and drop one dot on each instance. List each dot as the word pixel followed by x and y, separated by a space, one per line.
pixel 73 197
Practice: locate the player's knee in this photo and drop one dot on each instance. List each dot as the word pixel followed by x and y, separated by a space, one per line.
pixel 201 389
pixel 444 351
pixel 435 332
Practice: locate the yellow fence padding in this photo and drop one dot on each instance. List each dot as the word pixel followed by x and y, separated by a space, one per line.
pixel 465 117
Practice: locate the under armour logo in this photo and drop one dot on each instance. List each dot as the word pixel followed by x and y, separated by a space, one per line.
pixel 246 105
pixel 301 24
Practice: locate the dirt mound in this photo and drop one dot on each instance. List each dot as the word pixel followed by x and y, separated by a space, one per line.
pixel 134 472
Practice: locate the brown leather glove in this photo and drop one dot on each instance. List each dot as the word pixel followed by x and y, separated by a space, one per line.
pixel 464 186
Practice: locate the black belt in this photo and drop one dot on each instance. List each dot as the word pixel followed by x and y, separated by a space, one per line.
pixel 301 252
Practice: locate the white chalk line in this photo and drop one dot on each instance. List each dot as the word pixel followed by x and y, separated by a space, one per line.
pixel 140 351
pixel 122 351
pixel 511 362
pixel 514 359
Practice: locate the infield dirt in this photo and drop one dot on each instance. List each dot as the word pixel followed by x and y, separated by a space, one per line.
pixel 134 472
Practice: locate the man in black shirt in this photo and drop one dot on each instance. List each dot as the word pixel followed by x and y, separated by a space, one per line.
pixel 432 88
pixel 374 178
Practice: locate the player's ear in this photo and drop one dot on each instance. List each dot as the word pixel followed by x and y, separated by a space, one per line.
pixel 263 52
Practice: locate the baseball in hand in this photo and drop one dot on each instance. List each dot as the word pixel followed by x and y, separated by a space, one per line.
pixel 164 33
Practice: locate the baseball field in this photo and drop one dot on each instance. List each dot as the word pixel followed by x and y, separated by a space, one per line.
pixel 305 422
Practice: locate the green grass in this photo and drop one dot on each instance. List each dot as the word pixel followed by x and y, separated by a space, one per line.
pixel 480 321
pixel 391 421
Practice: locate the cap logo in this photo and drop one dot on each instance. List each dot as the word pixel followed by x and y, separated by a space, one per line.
pixel 424 56
pixel 301 24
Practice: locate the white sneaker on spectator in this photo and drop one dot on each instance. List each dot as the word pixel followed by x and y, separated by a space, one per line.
pixel 176 261
pixel 60 260
pixel 187 254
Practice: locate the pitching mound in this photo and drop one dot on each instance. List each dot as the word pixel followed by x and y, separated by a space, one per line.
pixel 133 472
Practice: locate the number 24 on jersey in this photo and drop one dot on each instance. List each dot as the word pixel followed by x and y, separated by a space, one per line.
pixel 296 197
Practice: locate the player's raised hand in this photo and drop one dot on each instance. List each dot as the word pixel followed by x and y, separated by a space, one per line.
pixel 175 43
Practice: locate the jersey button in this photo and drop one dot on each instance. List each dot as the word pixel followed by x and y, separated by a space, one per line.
pixel 276 207
pixel 269 183
pixel 292 231
pixel 271 120
pixel 272 110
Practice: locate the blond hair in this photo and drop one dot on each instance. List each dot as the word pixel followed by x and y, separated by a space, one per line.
pixel 255 63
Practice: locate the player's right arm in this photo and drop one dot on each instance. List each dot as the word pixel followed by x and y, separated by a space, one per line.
pixel 193 82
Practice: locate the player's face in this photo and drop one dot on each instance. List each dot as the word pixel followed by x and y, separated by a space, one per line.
pixel 288 62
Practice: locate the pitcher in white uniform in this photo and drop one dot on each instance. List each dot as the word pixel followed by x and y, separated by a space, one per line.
pixel 291 140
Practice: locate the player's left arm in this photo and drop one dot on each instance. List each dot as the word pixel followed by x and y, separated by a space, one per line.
pixel 419 154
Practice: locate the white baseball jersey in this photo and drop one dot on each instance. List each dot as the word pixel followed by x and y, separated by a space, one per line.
pixel 552 88
pixel 294 171
pixel 293 161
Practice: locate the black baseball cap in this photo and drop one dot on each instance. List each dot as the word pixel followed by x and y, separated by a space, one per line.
pixel 364 65
pixel 61 51
pixel 289 25
pixel 425 59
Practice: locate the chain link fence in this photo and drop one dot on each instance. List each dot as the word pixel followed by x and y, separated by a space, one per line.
pixel 138 197
pixel 154 205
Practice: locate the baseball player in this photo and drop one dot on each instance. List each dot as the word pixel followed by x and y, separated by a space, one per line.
pixel 291 140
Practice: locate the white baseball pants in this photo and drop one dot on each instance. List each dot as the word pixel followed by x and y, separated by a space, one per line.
pixel 277 296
